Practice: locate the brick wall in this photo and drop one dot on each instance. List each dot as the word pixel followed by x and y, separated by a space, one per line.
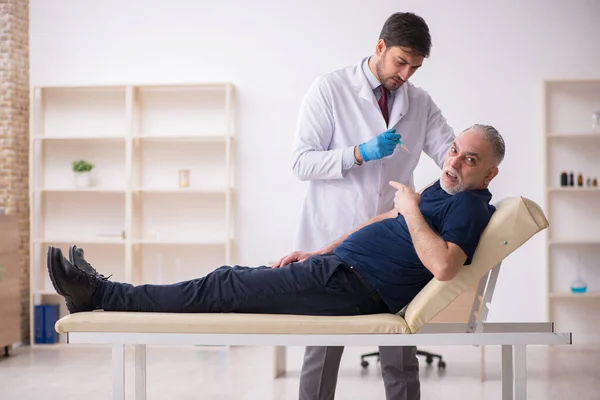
pixel 14 131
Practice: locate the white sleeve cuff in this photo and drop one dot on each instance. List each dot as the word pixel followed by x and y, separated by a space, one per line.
pixel 348 160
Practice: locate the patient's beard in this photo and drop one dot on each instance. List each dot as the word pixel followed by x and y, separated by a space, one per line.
pixel 451 190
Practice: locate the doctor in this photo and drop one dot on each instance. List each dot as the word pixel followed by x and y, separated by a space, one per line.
pixel 348 146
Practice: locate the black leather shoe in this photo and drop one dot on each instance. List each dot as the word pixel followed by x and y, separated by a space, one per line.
pixel 76 286
pixel 76 258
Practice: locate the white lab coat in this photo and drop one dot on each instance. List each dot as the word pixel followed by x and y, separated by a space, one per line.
pixel 340 111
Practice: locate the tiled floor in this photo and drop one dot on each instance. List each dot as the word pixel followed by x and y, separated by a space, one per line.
pixel 244 373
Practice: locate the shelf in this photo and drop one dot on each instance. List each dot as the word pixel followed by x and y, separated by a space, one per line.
pixel 90 137
pixel 184 138
pixel 562 82
pixel 46 293
pixel 138 190
pixel 157 138
pixel 53 163
pixel 180 242
pixel 139 137
pixel 574 189
pixel 160 162
pixel 571 144
pixel 567 295
pixel 573 241
pixel 182 111
pixel 82 242
pixel 593 136
pixel 196 87
pixel 79 190
pixel 182 190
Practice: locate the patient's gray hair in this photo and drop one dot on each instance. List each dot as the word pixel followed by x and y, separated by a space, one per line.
pixel 492 135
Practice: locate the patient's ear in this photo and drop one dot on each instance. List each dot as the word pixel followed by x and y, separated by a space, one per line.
pixel 490 175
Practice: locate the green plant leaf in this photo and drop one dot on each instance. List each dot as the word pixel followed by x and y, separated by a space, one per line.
pixel 82 166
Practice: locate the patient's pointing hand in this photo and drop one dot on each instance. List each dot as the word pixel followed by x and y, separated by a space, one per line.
pixel 406 200
pixel 293 257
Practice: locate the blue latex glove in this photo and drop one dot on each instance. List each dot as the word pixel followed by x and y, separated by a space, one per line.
pixel 380 146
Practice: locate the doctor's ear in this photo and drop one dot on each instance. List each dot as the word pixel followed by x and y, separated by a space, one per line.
pixel 380 47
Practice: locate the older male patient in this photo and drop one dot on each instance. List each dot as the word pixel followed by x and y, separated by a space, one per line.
pixel 376 268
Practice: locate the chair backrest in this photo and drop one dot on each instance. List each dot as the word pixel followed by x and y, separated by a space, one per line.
pixel 515 221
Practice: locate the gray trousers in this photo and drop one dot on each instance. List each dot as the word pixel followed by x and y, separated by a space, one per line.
pixel 399 368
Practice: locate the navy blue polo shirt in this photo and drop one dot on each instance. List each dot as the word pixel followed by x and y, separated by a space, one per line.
pixel 383 252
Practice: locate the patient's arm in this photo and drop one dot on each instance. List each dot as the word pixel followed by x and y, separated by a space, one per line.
pixel 303 255
pixel 442 258
pixel 393 213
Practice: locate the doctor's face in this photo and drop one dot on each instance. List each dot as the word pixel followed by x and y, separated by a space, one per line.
pixel 469 164
pixel 395 65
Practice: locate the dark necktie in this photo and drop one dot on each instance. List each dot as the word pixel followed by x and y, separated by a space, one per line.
pixel 383 104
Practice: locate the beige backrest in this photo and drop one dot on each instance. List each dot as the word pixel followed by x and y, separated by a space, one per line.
pixel 515 221
pixel 459 310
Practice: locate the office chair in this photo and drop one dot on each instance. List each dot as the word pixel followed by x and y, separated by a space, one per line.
pixel 429 358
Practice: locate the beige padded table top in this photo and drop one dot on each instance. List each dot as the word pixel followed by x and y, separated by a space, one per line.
pixel 514 222
pixel 140 322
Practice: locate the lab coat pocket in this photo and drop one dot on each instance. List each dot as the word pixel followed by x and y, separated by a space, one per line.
pixel 335 209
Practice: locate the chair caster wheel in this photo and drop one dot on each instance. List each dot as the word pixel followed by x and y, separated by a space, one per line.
pixel 442 365
pixel 364 364
pixel 429 360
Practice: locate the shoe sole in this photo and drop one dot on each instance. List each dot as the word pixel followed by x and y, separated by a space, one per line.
pixel 72 249
pixel 72 255
pixel 71 305
pixel 55 284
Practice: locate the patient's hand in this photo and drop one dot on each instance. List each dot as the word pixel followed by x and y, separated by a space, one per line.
pixel 293 257
pixel 406 200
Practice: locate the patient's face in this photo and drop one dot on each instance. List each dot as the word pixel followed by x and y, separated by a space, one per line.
pixel 469 164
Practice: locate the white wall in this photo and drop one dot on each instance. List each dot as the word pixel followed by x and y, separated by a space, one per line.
pixel 487 64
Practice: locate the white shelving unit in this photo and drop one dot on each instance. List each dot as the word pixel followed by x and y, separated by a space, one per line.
pixel 135 221
pixel 573 237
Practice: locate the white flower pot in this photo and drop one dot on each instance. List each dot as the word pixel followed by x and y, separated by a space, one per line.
pixel 83 179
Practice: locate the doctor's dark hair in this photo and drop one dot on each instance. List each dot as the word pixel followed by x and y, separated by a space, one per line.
pixel 407 30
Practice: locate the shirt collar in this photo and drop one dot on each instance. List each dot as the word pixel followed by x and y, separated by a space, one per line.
pixel 373 81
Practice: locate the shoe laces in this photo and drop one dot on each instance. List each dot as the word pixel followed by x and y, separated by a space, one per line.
pixel 95 273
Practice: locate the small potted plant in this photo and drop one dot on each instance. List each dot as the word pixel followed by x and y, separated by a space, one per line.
pixel 82 169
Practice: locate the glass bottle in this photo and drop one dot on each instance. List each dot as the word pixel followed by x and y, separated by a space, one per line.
pixel 184 178
pixel 564 179
pixel 579 285
pixel 596 121
pixel 580 180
